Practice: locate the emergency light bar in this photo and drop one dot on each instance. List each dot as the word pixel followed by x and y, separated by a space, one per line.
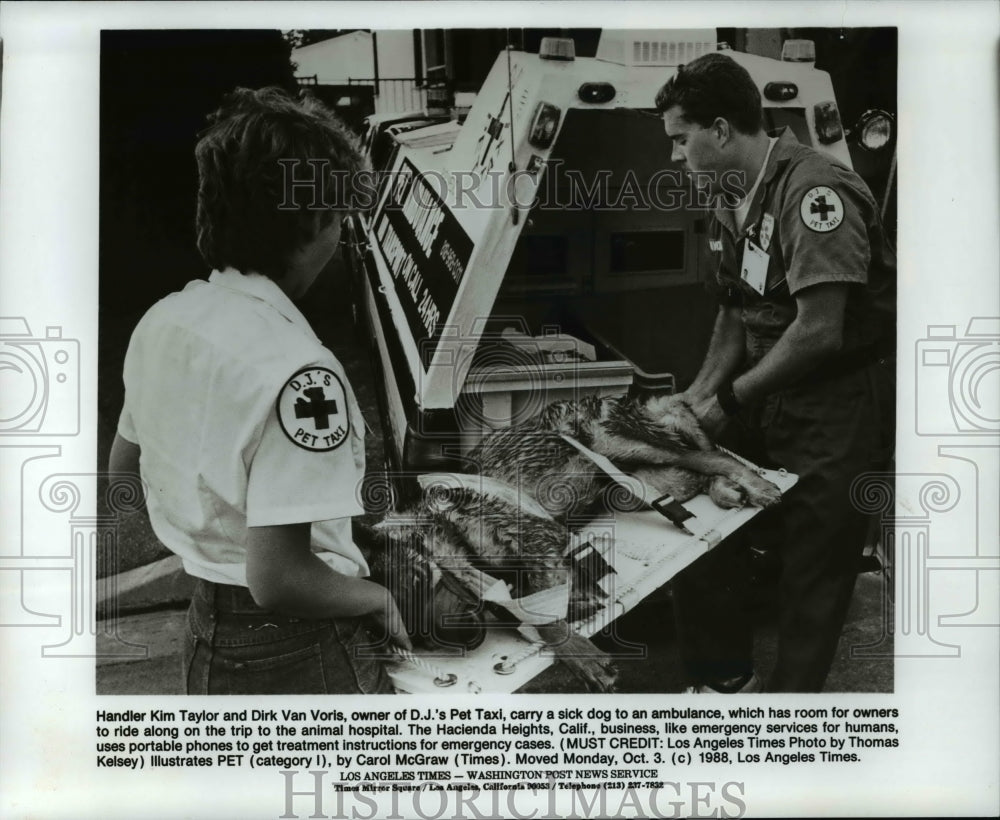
pixel 557 48
pixel 798 51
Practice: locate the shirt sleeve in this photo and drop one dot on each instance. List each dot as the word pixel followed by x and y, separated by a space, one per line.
pixel 823 229
pixel 310 461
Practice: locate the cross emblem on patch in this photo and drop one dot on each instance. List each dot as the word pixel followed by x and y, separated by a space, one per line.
pixel 316 407
pixel 313 410
pixel 821 209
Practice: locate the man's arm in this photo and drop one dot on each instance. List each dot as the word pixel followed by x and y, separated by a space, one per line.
pixel 813 336
pixel 725 354
pixel 284 575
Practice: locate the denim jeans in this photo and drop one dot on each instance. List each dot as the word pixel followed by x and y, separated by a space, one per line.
pixel 233 647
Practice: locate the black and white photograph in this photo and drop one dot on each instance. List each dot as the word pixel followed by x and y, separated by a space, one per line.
pixel 539 341
pixel 543 367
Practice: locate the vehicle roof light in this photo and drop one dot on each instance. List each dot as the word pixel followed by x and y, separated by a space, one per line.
pixel 798 51
pixel 781 91
pixel 557 48
pixel 828 127
pixel 596 92
pixel 544 125
pixel 875 129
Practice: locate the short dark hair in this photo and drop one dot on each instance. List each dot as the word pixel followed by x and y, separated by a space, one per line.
pixel 254 140
pixel 713 86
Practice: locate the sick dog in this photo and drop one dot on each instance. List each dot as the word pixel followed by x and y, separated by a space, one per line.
pixel 514 518
pixel 657 440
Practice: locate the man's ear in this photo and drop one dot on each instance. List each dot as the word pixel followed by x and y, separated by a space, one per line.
pixel 722 130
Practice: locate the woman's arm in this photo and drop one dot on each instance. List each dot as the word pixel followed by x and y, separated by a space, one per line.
pixel 123 465
pixel 284 575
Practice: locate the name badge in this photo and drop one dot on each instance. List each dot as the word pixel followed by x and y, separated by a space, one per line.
pixel 754 268
pixel 715 245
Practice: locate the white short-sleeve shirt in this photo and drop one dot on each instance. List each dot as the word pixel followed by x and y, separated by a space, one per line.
pixel 243 419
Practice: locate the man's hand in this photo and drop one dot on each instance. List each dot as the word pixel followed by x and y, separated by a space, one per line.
pixel 710 415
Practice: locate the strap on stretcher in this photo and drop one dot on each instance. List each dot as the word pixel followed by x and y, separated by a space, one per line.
pixel 666 505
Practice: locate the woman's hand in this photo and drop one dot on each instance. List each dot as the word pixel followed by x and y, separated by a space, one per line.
pixel 389 623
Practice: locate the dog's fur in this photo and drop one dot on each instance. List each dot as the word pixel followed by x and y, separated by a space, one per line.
pixel 470 532
pixel 536 485
pixel 658 440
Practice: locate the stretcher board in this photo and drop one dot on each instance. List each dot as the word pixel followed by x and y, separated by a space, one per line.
pixel 646 551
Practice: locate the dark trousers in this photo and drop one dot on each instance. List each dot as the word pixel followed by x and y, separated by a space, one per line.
pixel 233 647
pixel 828 434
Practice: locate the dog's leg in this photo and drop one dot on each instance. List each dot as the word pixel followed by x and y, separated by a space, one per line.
pixel 759 491
pixel 621 449
pixel 580 655
pixel 682 484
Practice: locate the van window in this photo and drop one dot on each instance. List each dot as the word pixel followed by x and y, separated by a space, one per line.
pixel 542 256
pixel 641 251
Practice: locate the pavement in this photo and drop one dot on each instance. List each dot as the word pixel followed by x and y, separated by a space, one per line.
pixel 146 591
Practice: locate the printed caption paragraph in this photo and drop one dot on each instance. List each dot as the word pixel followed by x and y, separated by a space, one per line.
pixel 568 748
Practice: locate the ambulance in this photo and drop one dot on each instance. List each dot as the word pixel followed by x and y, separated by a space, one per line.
pixel 546 247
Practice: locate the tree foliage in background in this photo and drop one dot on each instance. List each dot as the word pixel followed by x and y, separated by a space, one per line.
pixel 299 37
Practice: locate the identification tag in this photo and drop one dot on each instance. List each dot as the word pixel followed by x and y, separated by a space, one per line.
pixel 754 268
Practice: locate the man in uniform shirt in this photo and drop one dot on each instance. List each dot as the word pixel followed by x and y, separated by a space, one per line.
pixel 244 427
pixel 797 374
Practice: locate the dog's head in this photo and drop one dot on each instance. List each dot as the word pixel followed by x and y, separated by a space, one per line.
pixel 437 612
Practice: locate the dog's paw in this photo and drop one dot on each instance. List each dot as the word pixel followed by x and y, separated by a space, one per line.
pixel 598 674
pixel 760 492
pixel 726 493
pixel 587 662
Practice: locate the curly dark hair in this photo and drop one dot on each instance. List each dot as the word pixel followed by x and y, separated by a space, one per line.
pixel 713 86
pixel 249 214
